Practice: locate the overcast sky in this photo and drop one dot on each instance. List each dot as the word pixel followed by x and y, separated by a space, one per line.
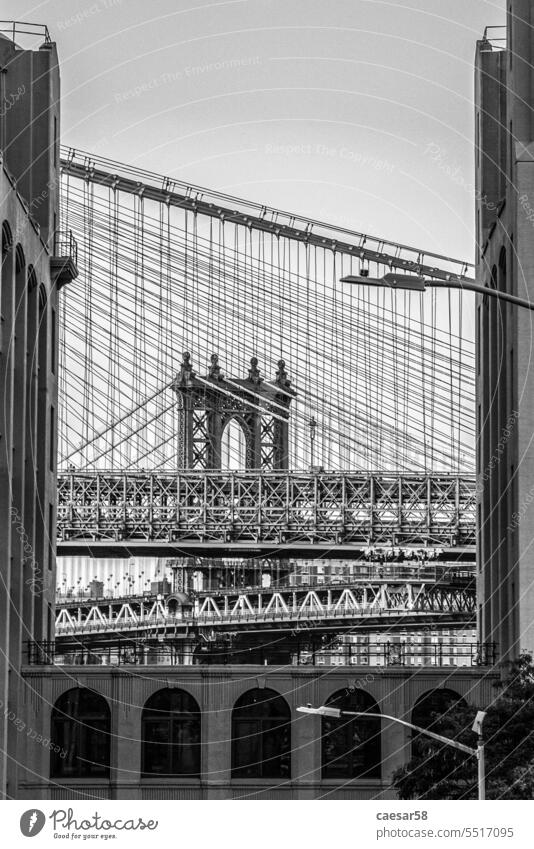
pixel 357 112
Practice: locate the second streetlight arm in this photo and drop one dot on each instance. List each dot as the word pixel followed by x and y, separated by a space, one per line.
pixel 419 284
pixel 481 290
pixel 439 737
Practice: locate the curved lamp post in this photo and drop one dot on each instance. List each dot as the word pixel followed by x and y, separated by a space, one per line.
pixel 420 284
pixel 478 753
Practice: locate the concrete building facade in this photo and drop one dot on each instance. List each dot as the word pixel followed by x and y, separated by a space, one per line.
pixel 306 758
pixel 30 275
pixel 504 98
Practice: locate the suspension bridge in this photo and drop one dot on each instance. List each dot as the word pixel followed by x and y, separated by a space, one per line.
pixel 224 391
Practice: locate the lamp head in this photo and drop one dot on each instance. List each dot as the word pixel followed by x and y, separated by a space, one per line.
pixel 479 719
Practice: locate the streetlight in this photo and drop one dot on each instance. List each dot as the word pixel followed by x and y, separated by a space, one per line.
pixel 478 753
pixel 420 284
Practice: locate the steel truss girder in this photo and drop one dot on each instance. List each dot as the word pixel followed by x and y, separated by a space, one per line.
pixel 272 507
pixel 325 603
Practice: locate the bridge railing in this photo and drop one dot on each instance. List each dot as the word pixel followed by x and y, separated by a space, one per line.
pixel 277 507
pixel 378 654
pixel 375 573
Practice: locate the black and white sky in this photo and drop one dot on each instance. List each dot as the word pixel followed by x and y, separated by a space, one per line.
pixel 357 112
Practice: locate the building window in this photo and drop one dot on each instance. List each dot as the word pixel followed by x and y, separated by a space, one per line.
pixel 351 746
pixel 171 735
pixel 81 722
pixel 428 710
pixel 261 735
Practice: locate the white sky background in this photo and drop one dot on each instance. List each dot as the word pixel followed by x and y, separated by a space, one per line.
pixel 323 108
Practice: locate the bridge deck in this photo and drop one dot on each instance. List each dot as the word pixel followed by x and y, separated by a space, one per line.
pixel 264 511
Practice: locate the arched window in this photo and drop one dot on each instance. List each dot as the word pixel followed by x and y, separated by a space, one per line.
pixel 32 279
pixel 171 735
pixel 502 270
pixel 428 709
pixel 20 261
pixel 261 736
pixel 233 446
pixel 7 238
pixel 42 298
pixel 351 746
pixel 81 723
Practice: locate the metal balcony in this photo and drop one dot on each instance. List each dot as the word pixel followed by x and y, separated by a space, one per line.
pixel 64 262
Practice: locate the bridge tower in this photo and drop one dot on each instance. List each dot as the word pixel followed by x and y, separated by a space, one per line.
pixel 208 404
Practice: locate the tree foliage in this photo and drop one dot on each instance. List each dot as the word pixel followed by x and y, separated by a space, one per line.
pixel 438 771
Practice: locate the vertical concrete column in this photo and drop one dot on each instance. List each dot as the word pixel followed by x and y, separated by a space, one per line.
pixel 305 739
pixel 21 561
pixel 216 758
pixel 34 553
pixel 395 737
pixel 6 523
pixel 33 749
pixel 125 740
pixel 41 460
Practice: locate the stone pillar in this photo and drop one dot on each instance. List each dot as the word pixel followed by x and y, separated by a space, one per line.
pixel 125 771
pixel 305 740
pixel 395 737
pixel 216 759
pixel 6 519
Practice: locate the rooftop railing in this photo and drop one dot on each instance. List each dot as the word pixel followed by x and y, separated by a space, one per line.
pixel 12 29
pixel 496 36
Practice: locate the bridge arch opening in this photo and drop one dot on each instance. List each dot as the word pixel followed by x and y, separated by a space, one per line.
pixel 428 710
pixel 80 731
pixel 171 735
pixel 233 446
pixel 351 746
pixel 261 735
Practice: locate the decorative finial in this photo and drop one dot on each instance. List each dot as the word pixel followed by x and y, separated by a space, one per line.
pixel 282 379
pixel 215 369
pixel 254 372
pixel 186 374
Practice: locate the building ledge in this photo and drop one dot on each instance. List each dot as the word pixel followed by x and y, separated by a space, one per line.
pixel 64 262
pixel 63 270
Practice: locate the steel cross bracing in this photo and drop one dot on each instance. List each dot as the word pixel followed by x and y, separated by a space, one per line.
pixel 362 604
pixel 340 512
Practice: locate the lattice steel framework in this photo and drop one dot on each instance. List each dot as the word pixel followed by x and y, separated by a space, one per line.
pixel 366 604
pixel 271 507
pixel 207 405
